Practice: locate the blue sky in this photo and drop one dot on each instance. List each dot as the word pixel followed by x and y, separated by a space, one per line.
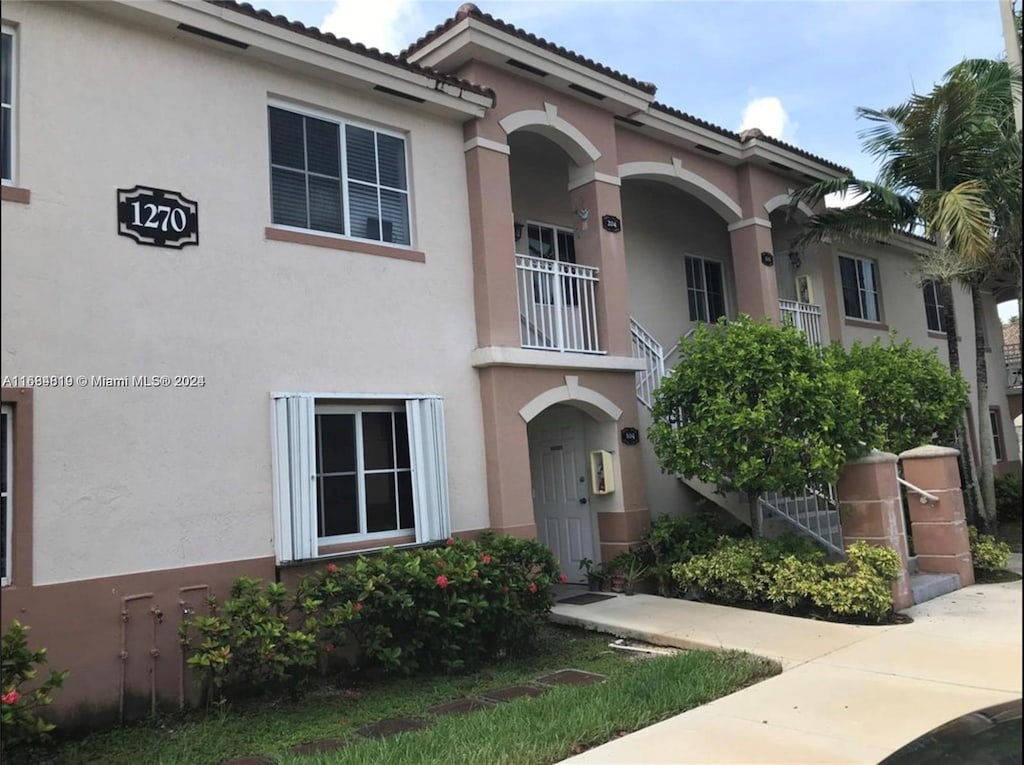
pixel 796 69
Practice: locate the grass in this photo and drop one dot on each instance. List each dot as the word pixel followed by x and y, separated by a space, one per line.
pixel 540 730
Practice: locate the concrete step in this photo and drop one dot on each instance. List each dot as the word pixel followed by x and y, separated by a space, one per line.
pixel 912 564
pixel 929 586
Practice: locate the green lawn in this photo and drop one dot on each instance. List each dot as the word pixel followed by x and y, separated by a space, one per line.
pixel 538 730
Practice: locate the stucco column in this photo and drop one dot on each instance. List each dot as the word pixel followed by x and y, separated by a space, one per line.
pixel 871 511
pixel 756 289
pixel 491 228
pixel 605 250
pixel 509 483
pixel 939 527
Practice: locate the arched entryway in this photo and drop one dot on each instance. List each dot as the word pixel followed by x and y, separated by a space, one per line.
pixel 564 426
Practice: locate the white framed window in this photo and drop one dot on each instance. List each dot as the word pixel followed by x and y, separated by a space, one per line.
pixel 8 88
pixel 860 288
pixel 998 447
pixel 357 469
pixel 935 299
pixel 6 480
pixel 705 289
pixel 338 177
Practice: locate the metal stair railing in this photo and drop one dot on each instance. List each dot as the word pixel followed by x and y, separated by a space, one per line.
pixel 816 513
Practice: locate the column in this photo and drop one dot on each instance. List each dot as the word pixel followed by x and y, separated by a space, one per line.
pixel 756 289
pixel 872 511
pixel 939 526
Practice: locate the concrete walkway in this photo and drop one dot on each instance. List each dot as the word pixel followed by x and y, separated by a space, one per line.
pixel 848 694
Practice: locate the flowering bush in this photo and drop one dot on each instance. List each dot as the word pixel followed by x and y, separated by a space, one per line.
pixel 451 606
pixel 19 707
pixel 252 644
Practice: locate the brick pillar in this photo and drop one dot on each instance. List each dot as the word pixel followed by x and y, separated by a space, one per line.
pixel 939 528
pixel 871 511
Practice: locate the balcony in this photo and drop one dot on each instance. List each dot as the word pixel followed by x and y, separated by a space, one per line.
pixel 557 307
pixel 804 316
pixel 1012 359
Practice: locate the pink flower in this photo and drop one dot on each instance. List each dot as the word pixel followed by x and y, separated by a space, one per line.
pixel 357 607
pixel 486 559
pixel 11 697
pixel 563 578
pixel 328 647
pixel 442 581
pixel 449 541
pixel 533 587
pixel 331 568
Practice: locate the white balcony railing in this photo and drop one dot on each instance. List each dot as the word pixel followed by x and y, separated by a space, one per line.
pixel 557 307
pixel 1012 359
pixel 804 316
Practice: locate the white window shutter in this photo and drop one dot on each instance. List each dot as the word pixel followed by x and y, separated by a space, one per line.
pixel 294 455
pixel 429 468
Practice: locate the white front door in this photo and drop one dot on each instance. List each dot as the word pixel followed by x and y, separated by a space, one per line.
pixel 561 503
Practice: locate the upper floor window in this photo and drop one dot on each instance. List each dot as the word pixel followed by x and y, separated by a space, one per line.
pixel 333 176
pixel 935 299
pixel 7 106
pixel 860 288
pixel 705 289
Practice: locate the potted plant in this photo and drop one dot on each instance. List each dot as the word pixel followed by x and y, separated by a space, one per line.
pixel 617 568
pixel 595 577
pixel 633 574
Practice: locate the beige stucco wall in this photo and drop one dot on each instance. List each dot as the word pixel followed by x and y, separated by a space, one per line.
pixel 132 479
pixel 662 225
pixel 902 309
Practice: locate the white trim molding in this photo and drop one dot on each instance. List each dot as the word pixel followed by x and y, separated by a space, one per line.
pixel 782 200
pixel 504 356
pixel 749 222
pixel 476 142
pixel 561 131
pixel 583 175
pixel 572 392
pixel 707 192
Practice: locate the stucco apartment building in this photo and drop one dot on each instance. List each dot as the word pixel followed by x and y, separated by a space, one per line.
pixel 270 297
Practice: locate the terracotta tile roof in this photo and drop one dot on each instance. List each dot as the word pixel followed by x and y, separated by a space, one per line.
pixel 1011 335
pixel 354 47
pixel 471 11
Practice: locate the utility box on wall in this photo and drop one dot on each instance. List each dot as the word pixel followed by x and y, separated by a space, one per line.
pixel 602 474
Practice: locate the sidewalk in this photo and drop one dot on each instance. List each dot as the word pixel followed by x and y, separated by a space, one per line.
pixel 848 694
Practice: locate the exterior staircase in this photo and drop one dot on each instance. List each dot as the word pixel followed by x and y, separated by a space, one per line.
pixel 814 515
pixel 927 587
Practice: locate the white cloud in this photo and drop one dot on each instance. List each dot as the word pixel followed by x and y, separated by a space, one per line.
pixel 844 199
pixel 389 25
pixel 770 117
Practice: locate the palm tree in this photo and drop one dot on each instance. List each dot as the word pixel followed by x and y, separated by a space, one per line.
pixel 950 168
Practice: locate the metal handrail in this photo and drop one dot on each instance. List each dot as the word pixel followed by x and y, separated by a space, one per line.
pixel 926 496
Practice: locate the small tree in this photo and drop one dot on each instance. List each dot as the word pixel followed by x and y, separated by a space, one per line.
pixel 753 407
pixel 910 397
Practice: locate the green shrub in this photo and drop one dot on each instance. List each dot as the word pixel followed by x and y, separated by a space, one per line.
pixel 861 587
pixel 19 707
pixel 913 399
pixel 453 606
pixel 676 539
pixel 250 644
pixel 987 553
pixel 1008 497
pixel 791 575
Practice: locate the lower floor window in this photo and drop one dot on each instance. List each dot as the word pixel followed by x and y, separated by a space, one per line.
pixel 350 470
pixel 6 452
pixel 998 449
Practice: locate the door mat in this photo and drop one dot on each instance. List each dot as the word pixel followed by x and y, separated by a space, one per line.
pixel 583 600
